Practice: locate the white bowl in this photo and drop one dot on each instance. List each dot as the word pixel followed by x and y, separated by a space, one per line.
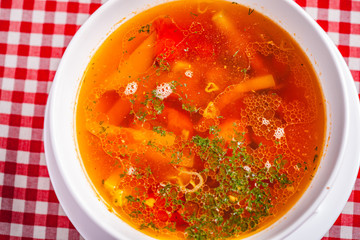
pixel 91 217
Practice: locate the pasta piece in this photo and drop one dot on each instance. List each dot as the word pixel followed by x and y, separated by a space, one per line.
pixel 195 186
pixel 211 87
pixel 227 28
pixel 223 23
pixel 140 60
pixel 143 136
pixel 201 9
pixel 234 92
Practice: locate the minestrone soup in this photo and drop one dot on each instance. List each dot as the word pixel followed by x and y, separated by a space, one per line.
pixel 200 120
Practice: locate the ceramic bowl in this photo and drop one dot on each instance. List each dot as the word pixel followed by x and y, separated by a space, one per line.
pixel 79 200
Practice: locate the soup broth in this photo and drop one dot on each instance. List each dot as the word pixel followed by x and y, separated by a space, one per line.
pixel 200 120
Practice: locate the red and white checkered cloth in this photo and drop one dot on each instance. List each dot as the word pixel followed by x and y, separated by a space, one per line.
pixel 33 37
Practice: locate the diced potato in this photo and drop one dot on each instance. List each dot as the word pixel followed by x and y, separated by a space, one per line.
pixel 112 182
pixel 158 161
pixel 229 131
pixel 128 140
pixel 140 60
pixel 166 140
pixel 232 198
pixel 118 198
pixel 150 202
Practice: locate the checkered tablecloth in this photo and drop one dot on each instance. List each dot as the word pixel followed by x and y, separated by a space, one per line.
pixel 33 36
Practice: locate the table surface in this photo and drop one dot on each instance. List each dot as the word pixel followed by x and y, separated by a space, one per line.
pixel 33 37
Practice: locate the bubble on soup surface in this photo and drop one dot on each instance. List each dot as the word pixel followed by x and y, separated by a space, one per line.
pixel 131 88
pixel 163 91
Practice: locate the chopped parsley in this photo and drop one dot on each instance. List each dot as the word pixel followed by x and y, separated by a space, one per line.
pixel 145 28
pixel 160 130
pixel 189 108
pixel 161 64
pixel 235 53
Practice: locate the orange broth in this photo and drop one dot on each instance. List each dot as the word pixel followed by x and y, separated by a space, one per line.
pixel 200 120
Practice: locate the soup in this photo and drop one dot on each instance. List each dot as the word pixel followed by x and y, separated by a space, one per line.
pixel 200 120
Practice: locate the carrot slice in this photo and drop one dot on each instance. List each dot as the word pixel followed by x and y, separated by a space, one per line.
pixel 178 123
pixel 158 162
pixel 118 111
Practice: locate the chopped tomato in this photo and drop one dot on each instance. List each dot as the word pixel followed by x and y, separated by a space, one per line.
pixel 173 41
pixel 181 224
pixel 169 36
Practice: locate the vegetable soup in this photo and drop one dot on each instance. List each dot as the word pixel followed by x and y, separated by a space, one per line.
pixel 200 120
